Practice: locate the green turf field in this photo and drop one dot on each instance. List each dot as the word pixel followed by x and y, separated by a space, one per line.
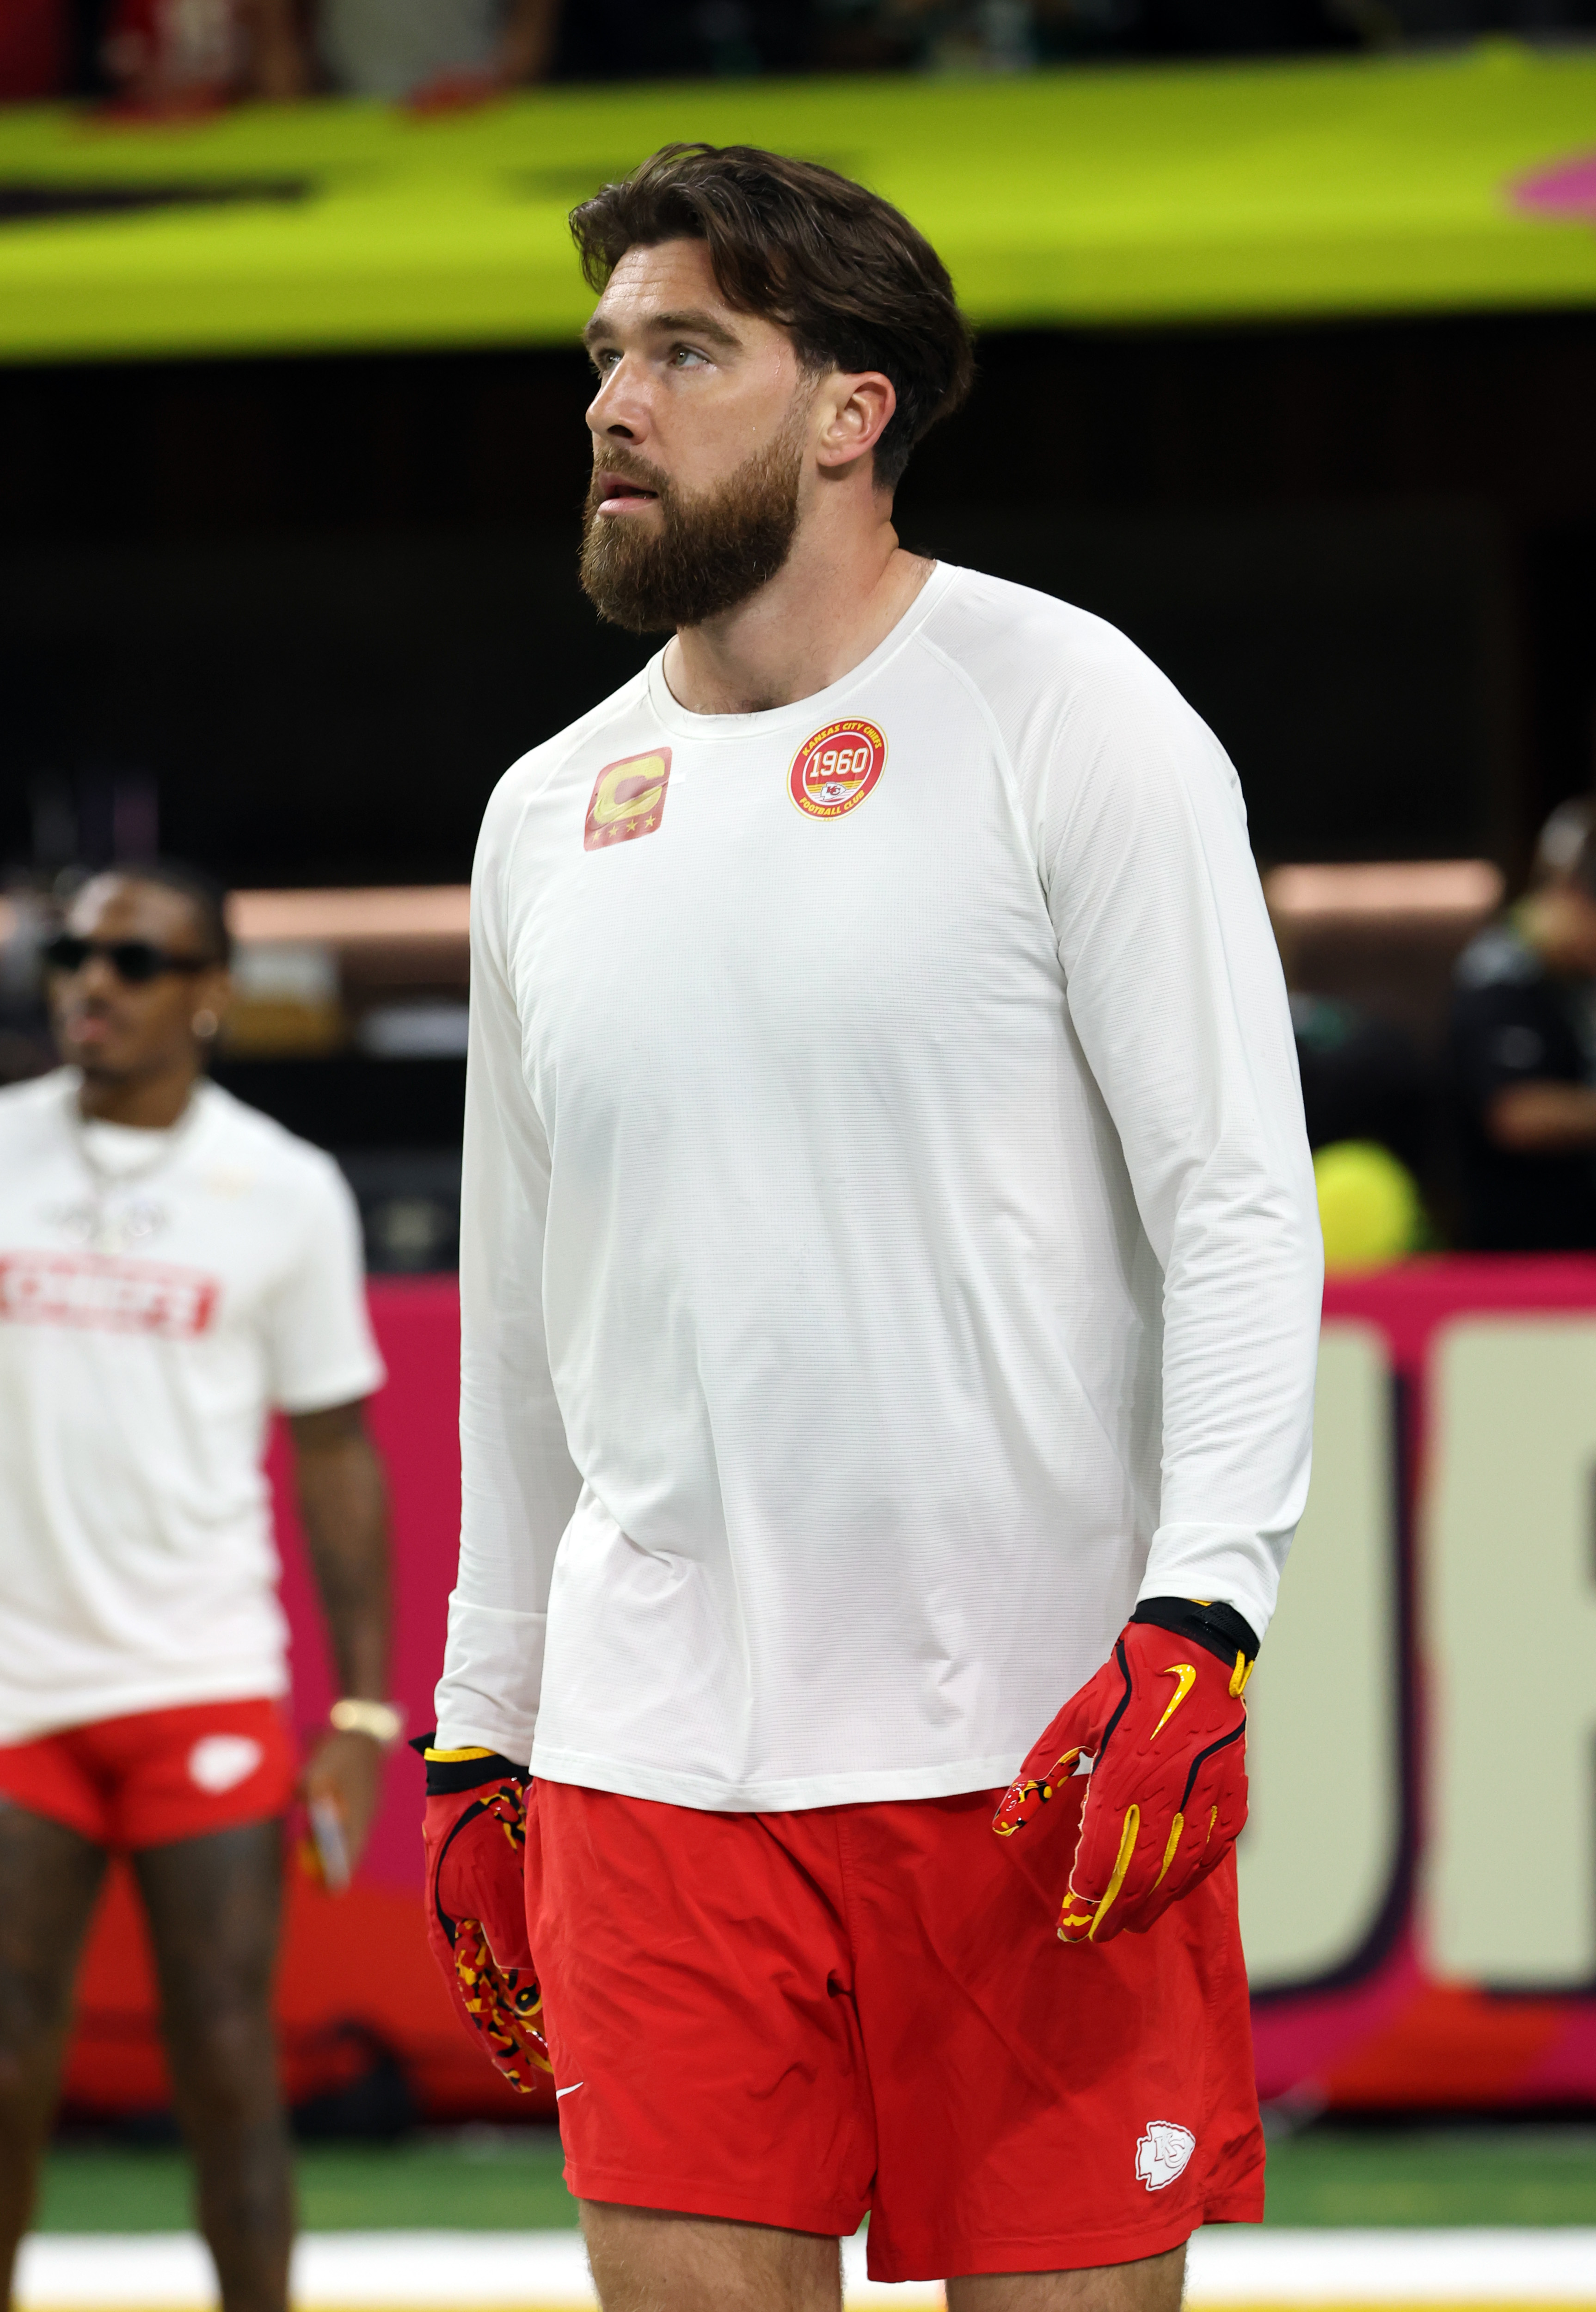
pixel 499 2180
pixel 1338 186
pixel 1457 2176
pixel 468 2180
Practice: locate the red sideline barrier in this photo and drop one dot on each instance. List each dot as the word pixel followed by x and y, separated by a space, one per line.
pixel 1388 2034
pixel 1398 2036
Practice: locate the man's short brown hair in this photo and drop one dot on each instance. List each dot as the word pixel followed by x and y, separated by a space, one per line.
pixel 836 265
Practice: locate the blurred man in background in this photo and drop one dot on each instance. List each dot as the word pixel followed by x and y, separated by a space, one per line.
pixel 1523 1055
pixel 172 1266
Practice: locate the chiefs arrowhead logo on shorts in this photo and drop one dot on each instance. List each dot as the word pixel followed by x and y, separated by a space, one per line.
pixel 628 799
pixel 1162 2153
pixel 220 1762
pixel 836 769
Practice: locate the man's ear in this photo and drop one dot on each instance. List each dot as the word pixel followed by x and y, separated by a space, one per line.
pixel 214 990
pixel 854 409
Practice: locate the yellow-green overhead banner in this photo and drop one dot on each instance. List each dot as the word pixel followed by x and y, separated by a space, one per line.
pixel 1457 182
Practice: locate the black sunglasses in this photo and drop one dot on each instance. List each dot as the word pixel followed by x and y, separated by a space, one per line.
pixel 135 961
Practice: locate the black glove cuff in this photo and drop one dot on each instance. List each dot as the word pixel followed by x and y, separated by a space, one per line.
pixel 1219 1626
pixel 447 1775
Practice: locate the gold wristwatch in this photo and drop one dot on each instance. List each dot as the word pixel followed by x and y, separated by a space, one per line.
pixel 381 1720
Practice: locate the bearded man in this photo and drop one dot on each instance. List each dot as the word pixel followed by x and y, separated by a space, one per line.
pixel 891 1285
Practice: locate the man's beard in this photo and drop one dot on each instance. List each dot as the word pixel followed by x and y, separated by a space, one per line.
pixel 705 554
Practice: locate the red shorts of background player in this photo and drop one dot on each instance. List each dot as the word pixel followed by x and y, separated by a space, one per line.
pixel 794 2019
pixel 159 1775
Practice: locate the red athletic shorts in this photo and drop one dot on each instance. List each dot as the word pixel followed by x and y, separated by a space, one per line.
pixel 159 1775
pixel 797 2018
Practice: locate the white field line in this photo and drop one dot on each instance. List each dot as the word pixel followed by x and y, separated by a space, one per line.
pixel 1244 2264
pixel 546 2271
pixel 354 2271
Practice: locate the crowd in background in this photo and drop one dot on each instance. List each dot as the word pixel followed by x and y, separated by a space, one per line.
pixel 164 54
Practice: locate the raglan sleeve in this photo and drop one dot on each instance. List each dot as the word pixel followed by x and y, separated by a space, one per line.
pixel 518 1486
pixel 1176 993
pixel 318 1333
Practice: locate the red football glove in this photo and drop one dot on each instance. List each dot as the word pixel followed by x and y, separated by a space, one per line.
pixel 1165 1726
pixel 475 1836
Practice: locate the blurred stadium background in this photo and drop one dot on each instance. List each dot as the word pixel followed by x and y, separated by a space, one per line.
pixel 1288 366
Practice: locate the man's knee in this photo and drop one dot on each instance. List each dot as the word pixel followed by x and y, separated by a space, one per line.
pixel 649 2260
pixel 224 2054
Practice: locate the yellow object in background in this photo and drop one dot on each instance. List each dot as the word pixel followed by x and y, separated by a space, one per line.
pixel 1369 1206
pixel 1435 181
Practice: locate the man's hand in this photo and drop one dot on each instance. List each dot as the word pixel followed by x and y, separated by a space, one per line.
pixel 475 1836
pixel 1165 1726
pixel 345 1771
pixel 343 1505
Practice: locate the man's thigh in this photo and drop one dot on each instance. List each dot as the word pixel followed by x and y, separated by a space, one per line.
pixel 49 1877
pixel 1152 2284
pixel 214 1907
pixel 647 2260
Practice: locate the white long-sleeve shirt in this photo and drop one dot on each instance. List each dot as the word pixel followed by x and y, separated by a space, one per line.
pixel 888 1243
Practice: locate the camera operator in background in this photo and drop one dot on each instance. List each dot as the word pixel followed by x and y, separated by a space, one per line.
pixel 172 1266
pixel 1522 1050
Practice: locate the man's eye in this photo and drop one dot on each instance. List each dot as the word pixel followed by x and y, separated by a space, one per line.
pixel 681 355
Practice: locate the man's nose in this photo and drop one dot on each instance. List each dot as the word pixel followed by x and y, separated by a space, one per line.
pixel 96 978
pixel 617 407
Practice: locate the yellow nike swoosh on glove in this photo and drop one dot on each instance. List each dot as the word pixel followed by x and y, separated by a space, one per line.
pixel 1185 1676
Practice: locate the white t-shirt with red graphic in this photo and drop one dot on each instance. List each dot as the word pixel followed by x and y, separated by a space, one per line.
pixel 888 1242
pixel 160 1294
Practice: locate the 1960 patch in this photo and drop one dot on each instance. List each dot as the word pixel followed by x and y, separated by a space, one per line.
pixel 834 771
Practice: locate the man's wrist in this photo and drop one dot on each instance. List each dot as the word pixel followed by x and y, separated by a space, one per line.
pixel 353 1713
pixel 449 1772
pixel 1203 1621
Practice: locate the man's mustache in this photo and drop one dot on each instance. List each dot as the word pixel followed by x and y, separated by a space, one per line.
pixel 628 469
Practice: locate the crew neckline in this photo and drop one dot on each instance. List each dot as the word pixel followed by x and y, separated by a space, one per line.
pixel 682 723
pixel 103 1133
pixel 127 1146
